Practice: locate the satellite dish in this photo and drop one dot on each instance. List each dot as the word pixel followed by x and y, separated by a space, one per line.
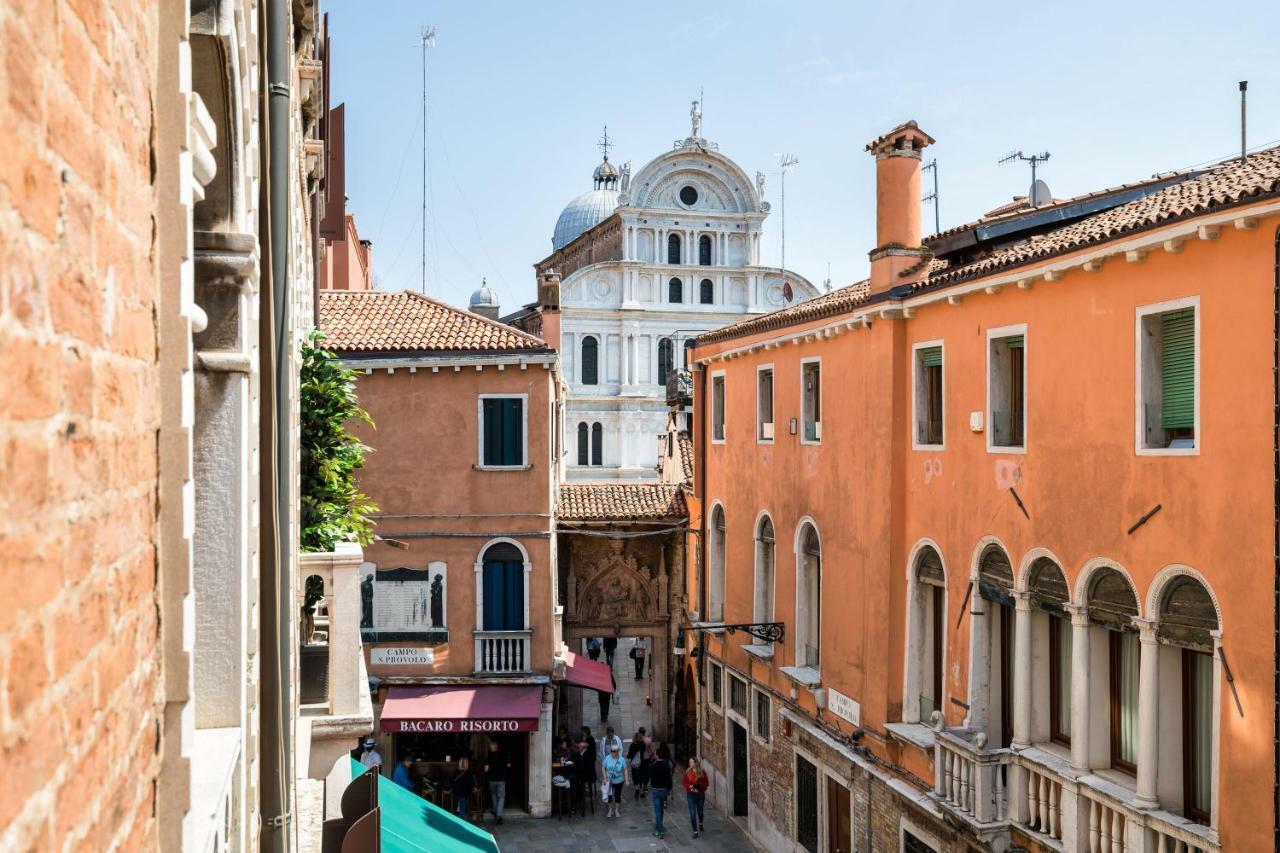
pixel 1040 194
pixel 787 291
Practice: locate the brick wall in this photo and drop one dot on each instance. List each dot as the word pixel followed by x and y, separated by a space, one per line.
pixel 79 663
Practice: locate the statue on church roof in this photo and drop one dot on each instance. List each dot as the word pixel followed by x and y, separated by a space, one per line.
pixel 695 114
pixel 626 177
pixel 760 184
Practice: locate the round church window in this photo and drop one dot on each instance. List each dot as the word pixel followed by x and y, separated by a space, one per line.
pixel 689 196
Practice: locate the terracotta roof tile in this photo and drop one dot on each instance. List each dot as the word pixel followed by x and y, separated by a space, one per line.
pixel 686 456
pixel 385 321
pixel 825 305
pixel 620 501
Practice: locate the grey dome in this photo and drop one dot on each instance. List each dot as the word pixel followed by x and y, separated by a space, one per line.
pixel 483 298
pixel 605 173
pixel 584 212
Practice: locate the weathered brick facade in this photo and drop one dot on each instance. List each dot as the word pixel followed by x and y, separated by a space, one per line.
pixel 79 414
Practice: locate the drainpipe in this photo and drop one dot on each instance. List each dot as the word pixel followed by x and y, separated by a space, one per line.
pixel 1275 532
pixel 277 545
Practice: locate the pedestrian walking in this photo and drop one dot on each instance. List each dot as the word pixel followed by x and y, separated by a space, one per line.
pixel 401 775
pixel 593 647
pixel 638 651
pixel 615 775
pixel 463 781
pixel 584 770
pixel 606 698
pixel 609 741
pixel 610 648
pixel 695 790
pixel 496 767
pixel 638 759
pixel 660 773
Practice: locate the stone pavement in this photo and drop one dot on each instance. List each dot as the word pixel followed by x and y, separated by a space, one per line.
pixel 631 833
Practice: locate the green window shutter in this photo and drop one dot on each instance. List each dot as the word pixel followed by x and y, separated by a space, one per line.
pixel 512 429
pixel 931 357
pixel 1178 370
pixel 1015 342
pixel 492 432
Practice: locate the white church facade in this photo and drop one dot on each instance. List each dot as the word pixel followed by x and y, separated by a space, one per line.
pixel 646 264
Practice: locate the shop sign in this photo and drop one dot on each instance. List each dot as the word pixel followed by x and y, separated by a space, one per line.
pixel 844 707
pixel 459 726
pixel 390 656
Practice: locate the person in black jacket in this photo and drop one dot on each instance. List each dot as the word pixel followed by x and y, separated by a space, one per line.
pixel 584 773
pixel 660 787
pixel 463 781
pixel 496 766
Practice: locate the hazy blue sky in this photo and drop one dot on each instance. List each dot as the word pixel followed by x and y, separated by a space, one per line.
pixel 518 92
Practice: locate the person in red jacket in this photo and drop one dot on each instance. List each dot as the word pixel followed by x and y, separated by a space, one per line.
pixel 695 791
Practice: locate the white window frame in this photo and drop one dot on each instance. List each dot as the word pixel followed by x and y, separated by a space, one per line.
pixel 724 407
pixel 524 432
pixel 1139 416
pixel 994 335
pixel 803 418
pixel 773 404
pixel 917 389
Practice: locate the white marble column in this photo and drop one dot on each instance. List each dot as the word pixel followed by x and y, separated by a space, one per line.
pixel 980 655
pixel 1148 713
pixel 1021 670
pixel 624 364
pixel 1079 686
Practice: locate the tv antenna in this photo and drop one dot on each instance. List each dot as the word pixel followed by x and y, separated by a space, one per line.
pixel 1034 160
pixel 787 162
pixel 932 198
pixel 428 37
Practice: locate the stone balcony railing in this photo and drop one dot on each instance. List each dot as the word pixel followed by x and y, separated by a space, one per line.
pixel 503 652
pixel 970 779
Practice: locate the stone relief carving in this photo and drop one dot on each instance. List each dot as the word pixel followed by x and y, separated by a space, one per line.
pixel 615 589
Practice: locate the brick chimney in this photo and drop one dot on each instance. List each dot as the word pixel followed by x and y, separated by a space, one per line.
pixel 549 307
pixel 898 248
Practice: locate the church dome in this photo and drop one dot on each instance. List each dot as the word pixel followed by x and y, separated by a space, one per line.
pixel 605 173
pixel 483 297
pixel 584 212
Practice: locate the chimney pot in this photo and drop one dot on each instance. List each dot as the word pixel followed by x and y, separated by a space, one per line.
pixel 898 259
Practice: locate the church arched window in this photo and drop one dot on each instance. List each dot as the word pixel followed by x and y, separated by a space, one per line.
pixel 583 443
pixel 704 250
pixel 675 290
pixel 590 361
pixel 597 444
pixel 673 249
pixel 665 352
pixel 706 292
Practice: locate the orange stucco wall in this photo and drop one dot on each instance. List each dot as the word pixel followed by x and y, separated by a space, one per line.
pixel 873 497
pixel 423 475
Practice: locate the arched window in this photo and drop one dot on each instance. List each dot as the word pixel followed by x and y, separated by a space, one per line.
pixel 583 443
pixel 675 291
pixel 1187 620
pixel 503 593
pixel 706 292
pixel 704 250
pixel 590 361
pixel 808 597
pixel 597 444
pixel 1051 640
pixel 673 249
pixel 665 354
pixel 764 574
pixel 993 645
pixel 927 626
pixel 1112 607
pixel 715 565
pixel 688 352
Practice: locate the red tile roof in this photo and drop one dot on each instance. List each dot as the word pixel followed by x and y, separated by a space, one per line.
pixel 1223 186
pixel 685 445
pixel 620 501
pixel 385 321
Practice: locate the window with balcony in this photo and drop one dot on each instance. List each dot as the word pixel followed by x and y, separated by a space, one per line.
pixel 673 249
pixel 1168 348
pixel 704 251
pixel 666 353
pixel 763 720
pixel 808 597
pixel 717 407
pixel 503 588
pixel 928 395
pixel 502 431
pixel 993 641
pixel 926 624
pixel 811 404
pixel 765 551
pixel 590 360
pixel 1006 389
pixel 764 403
pixel 716 566
pixel 706 292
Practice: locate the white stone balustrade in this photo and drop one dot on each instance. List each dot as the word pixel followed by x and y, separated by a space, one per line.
pixel 503 652
pixel 970 778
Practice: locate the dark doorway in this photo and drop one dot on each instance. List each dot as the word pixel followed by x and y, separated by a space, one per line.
pixel 739 770
pixel 839 818
pixel 806 805
pixel 515 747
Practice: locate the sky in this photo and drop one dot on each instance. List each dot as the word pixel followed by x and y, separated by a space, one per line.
pixel 518 92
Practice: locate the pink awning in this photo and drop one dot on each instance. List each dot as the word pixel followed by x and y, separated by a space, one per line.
pixel 483 708
pixel 586 672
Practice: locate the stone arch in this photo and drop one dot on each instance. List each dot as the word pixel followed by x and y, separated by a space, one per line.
pixel 1167 583
pixel 1022 578
pixel 914 555
pixel 1084 580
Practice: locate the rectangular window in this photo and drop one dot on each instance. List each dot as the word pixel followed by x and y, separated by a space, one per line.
pixel 738 695
pixel 928 396
pixel 717 408
pixel 716 675
pixel 1124 700
pixel 1197 734
pixel 502 431
pixel 1007 399
pixel 811 408
pixel 1167 378
pixel 764 404
pixel 912 843
pixel 1060 680
pixel 764 720
pixel 806 805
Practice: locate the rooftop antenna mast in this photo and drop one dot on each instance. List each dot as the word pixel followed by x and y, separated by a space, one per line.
pixel 1034 160
pixel 932 198
pixel 1244 87
pixel 428 36
pixel 786 161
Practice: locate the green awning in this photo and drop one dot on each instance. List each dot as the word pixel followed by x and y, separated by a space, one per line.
pixel 410 824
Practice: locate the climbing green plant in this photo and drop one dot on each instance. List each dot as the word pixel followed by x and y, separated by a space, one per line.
pixel 333 510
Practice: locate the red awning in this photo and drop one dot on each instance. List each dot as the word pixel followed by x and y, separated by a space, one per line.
pixel 586 672
pixel 483 708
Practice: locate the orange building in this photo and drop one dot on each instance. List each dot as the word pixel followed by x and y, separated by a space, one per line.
pixel 459 621
pixel 1012 501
